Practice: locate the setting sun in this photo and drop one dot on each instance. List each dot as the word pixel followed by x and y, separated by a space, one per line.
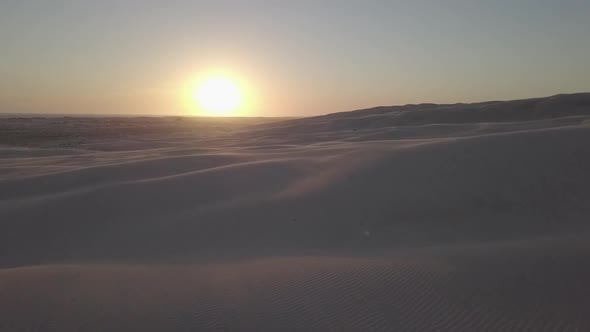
pixel 218 97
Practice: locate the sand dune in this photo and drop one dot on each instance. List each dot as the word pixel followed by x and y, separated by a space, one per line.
pixel 463 217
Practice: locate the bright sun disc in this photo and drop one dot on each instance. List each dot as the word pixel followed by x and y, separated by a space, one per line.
pixel 218 97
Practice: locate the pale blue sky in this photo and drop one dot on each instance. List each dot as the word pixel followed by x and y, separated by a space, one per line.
pixel 297 57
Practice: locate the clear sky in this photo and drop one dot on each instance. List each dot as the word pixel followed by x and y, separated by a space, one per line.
pixel 292 58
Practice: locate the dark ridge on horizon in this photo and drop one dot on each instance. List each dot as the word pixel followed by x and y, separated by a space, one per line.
pixel 556 106
pixel 384 108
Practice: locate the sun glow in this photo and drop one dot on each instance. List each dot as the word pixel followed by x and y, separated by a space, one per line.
pixel 218 96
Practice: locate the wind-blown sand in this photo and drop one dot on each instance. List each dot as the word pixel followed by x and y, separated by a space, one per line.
pixel 465 217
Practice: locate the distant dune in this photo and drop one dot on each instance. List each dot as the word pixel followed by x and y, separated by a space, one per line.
pixel 462 217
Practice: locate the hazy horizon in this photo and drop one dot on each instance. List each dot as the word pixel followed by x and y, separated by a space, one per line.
pixel 80 114
pixel 290 59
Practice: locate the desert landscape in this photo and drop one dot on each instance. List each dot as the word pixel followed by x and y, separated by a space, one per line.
pixel 426 217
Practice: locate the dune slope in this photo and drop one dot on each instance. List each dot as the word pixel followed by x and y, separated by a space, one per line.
pixel 413 218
